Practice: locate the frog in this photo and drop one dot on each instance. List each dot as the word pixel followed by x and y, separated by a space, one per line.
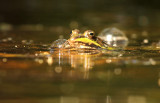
pixel 86 40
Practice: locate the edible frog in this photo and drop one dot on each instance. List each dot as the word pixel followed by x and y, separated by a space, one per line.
pixel 86 40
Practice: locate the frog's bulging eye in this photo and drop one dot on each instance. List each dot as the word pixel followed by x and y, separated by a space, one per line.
pixel 75 32
pixel 91 34
pixel 71 34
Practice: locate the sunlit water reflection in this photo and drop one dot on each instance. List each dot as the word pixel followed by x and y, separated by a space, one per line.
pixel 36 72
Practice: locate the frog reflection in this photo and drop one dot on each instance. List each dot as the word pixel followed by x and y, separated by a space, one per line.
pixel 81 60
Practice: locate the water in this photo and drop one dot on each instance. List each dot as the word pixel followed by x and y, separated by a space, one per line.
pixel 32 72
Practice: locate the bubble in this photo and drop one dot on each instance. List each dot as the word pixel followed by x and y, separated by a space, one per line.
pixel 114 37
pixel 58 43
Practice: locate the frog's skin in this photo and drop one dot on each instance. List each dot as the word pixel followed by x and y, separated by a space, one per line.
pixel 86 40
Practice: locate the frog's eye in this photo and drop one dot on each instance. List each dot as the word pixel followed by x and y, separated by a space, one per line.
pixel 89 34
pixel 75 31
pixel 71 34
pixel 92 34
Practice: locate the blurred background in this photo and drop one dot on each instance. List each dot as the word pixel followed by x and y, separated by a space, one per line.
pixel 62 12
pixel 59 17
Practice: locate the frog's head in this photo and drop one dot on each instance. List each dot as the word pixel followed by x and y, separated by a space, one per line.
pixel 85 40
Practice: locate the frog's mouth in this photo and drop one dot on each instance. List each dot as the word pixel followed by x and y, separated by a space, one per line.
pixel 87 43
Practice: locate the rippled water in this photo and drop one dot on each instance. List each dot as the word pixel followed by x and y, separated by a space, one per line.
pixel 32 72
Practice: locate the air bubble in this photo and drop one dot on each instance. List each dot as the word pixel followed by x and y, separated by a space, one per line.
pixel 114 37
pixel 58 43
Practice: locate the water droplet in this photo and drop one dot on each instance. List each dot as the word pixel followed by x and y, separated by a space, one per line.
pixel 36 54
pixel 4 59
pixel 108 60
pixel 50 60
pixel 58 69
pixel 145 41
